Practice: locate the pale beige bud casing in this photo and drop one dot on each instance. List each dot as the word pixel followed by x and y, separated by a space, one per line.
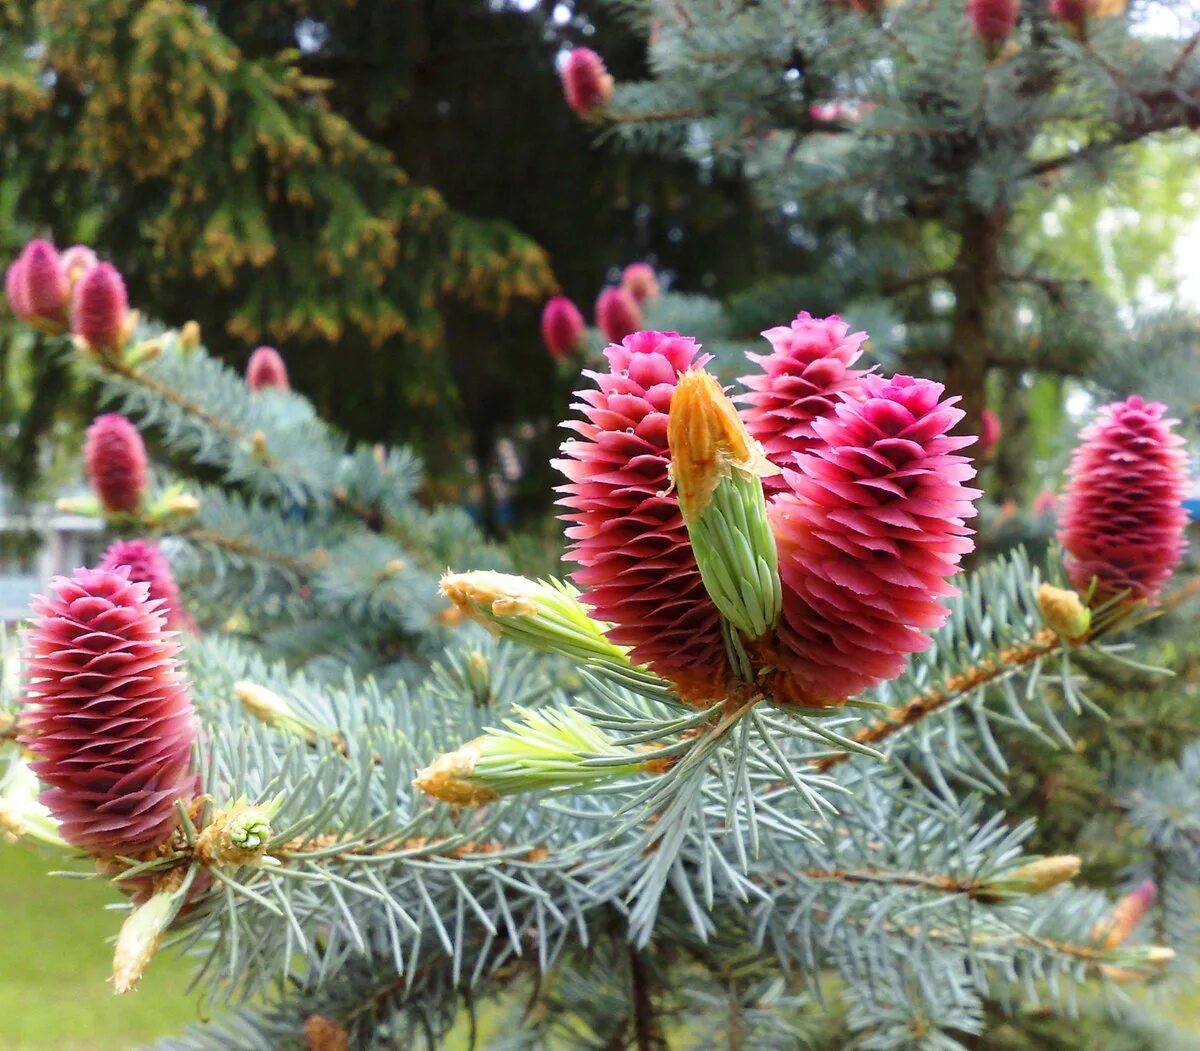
pixel 142 932
pixel 1034 877
pixel 1064 611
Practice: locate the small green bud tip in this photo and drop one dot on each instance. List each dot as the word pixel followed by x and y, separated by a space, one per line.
pixel 235 836
pixel 543 614
pixel 250 830
pixel 1064 612
pixel 716 468
pixel 1034 877
pixel 189 336
pixel 546 750
pixel 268 707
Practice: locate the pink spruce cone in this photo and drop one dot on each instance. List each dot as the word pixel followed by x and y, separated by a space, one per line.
pixel 1123 519
pixel 100 310
pixel 147 565
pixel 266 369
pixel 989 431
pixel 107 714
pixel 872 527
pixel 638 571
pixel 993 19
pixel 46 289
pixel 617 314
pixel 115 457
pixel 14 289
pixel 586 83
pixel 802 379
pixel 1129 911
pixel 640 281
pixel 1045 502
pixel 1074 12
pixel 77 261
pixel 563 329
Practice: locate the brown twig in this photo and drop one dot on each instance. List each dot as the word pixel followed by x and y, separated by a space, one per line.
pixel 249 550
pixel 956 687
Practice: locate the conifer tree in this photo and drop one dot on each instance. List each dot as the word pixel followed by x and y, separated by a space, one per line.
pixel 914 147
pixel 754 748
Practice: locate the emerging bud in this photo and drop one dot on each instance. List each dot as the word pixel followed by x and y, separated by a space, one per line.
pixel 992 20
pixel 544 615
pixel 268 707
pixel 617 314
pixel 1035 877
pixel 77 261
pixel 189 335
pixel 479 677
pixel 236 836
pixel 266 370
pixel 1064 611
pixel 587 85
pixel 100 309
pixel 22 814
pixel 1126 915
pixel 716 468
pixel 640 281
pixel 548 750
pixel 322 1033
pixel 141 933
pixel 115 457
pixel 563 329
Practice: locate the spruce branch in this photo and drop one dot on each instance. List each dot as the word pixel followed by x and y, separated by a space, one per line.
pixel 955 688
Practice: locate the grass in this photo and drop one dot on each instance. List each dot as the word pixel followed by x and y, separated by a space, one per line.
pixel 55 964
pixel 56 957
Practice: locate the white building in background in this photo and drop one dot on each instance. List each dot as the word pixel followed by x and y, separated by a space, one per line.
pixel 37 543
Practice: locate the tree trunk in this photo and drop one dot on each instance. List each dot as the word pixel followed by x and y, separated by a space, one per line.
pixel 1011 456
pixel 976 279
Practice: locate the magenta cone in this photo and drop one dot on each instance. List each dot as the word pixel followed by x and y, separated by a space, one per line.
pixel 107 714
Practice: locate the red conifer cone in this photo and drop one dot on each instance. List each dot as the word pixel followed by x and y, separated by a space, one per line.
pixel 990 431
pixel 266 369
pixel 993 19
pixel 1074 12
pixel 107 714
pixel 638 571
pixel 14 289
pixel 868 533
pixel 46 289
pixel 801 381
pixel 147 565
pixel 100 310
pixel 587 85
pixel 617 314
pixel 77 261
pixel 640 281
pixel 115 457
pixel 1122 518
pixel 563 327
